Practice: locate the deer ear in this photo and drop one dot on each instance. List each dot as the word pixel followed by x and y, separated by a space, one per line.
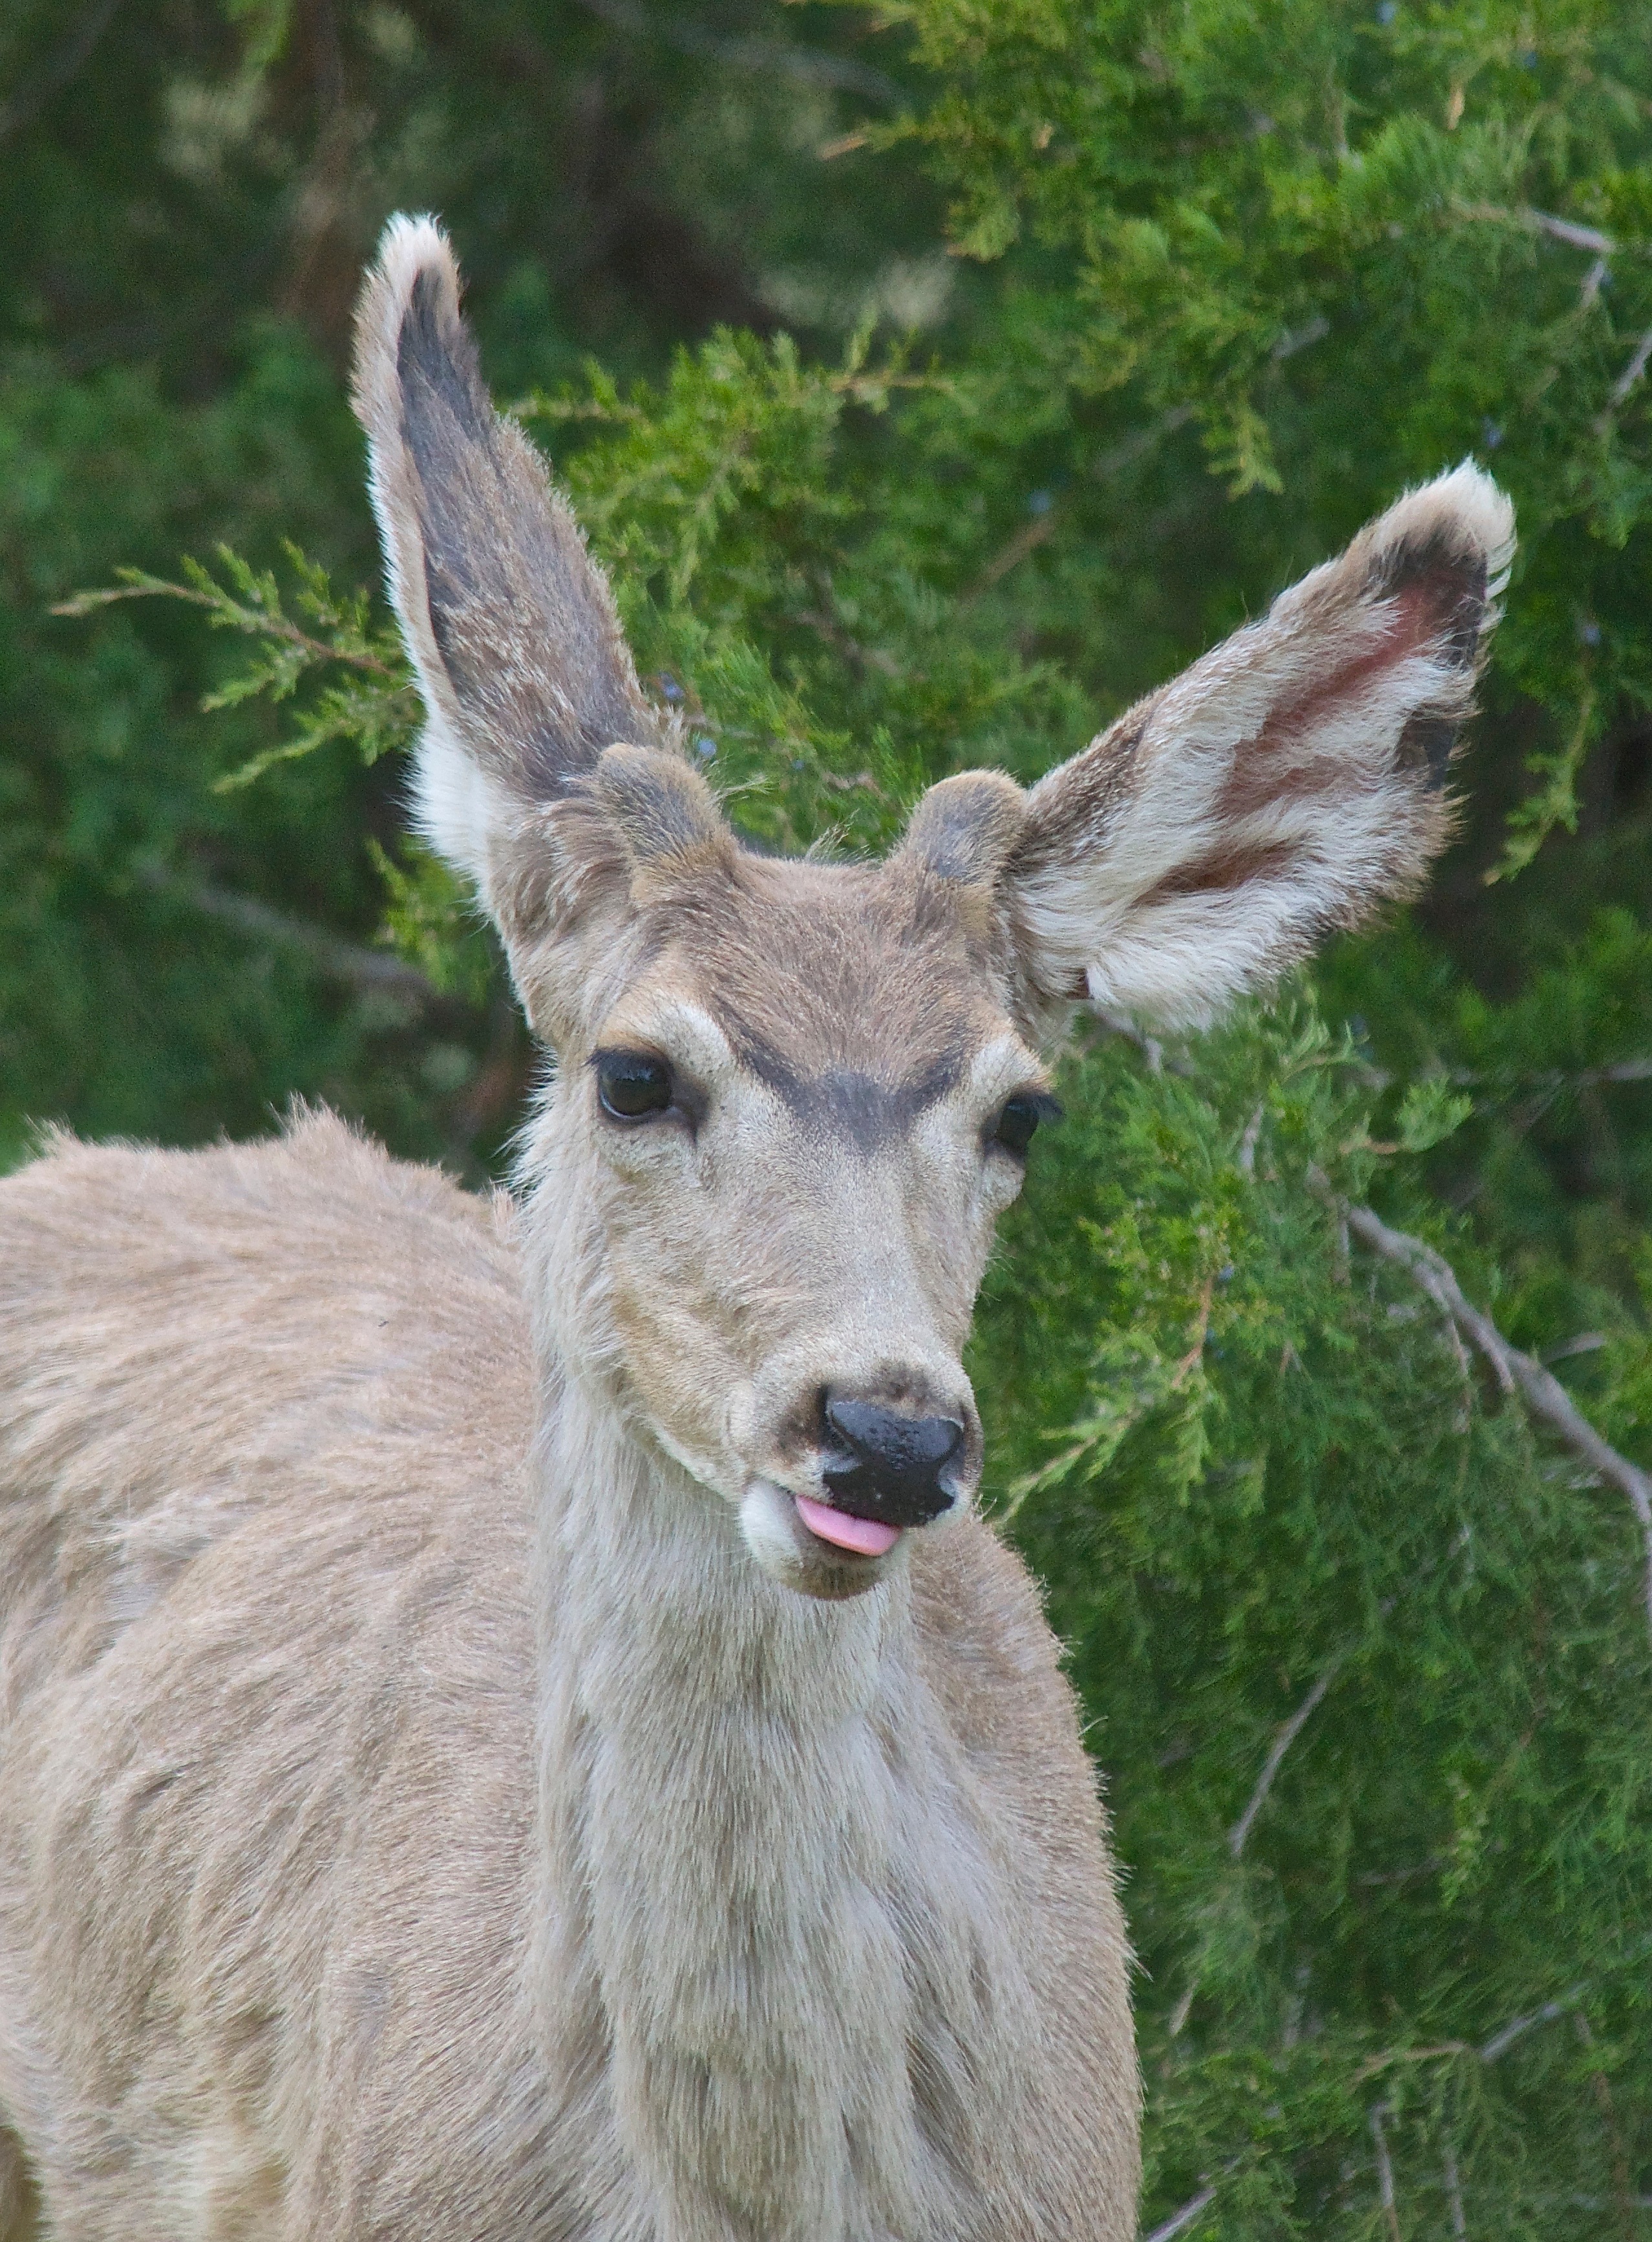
pixel 1285 785
pixel 524 671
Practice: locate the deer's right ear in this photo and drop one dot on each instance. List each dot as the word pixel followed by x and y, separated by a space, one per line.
pixel 509 622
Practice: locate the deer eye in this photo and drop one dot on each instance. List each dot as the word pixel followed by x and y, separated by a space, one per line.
pixel 631 1086
pixel 1018 1118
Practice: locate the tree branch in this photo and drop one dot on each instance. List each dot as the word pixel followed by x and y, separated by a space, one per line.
pixel 344 961
pixel 1543 1393
pixel 1497 2046
pixel 1385 2170
pixel 1536 221
pixel 1491 2051
pixel 1179 2221
pixel 1286 1736
pixel 256 623
pixel 1454 2195
pixel 1633 371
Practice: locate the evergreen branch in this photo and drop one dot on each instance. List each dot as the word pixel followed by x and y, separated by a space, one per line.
pixel 1531 821
pixel 1543 1393
pixel 375 703
pixel 1489 2051
pixel 259 613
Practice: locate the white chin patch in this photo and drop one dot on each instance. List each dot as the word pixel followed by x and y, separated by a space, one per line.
pixel 768 1520
pixel 778 1542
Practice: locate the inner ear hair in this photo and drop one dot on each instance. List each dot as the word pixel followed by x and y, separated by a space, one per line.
pixel 508 622
pixel 665 813
pixel 1288 783
pixel 966 827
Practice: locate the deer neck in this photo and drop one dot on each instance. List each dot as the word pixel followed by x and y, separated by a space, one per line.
pixel 769 1928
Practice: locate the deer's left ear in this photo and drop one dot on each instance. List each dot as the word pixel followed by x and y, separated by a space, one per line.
pixel 1286 784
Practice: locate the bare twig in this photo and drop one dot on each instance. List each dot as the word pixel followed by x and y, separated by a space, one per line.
pixel 1286 1736
pixel 1377 2112
pixel 1246 1159
pixel 864 657
pixel 1622 2188
pixel 1026 540
pixel 1300 338
pixel 1132 447
pixel 1536 221
pixel 1633 371
pixel 1491 2051
pixel 1120 1023
pixel 1464 1078
pixel 1180 2221
pixel 344 961
pixel 1585 1343
pixel 1453 2194
pixel 1497 2046
pixel 1575 235
pixel 1543 1393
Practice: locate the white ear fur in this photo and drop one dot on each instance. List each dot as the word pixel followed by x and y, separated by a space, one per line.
pixel 1286 784
pixel 455 806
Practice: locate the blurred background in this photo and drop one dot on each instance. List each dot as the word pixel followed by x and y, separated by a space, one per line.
pixel 935 378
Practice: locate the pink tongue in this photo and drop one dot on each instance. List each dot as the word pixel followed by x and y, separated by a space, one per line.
pixel 866 1537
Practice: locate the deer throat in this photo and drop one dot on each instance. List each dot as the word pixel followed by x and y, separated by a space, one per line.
pixel 768 1898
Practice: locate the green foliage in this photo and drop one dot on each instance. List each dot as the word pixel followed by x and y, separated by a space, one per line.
pixel 1263 1479
pixel 1364 1648
pixel 375 709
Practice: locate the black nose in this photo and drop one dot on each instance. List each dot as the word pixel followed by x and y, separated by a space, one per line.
pixel 891 1465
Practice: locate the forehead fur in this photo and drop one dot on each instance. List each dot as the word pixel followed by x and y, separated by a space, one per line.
pixel 815 972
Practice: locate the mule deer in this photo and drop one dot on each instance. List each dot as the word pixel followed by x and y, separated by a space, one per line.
pixel 511 1726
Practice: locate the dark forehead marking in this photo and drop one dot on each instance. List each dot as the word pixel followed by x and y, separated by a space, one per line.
pixel 842 1102
pixel 853 992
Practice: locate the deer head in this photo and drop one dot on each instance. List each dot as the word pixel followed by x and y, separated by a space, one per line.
pixel 792 1098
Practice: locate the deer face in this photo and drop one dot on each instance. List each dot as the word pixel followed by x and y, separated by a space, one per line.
pixel 793 1098
pixel 801 1108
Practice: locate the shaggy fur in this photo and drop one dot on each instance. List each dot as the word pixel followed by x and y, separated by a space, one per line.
pixel 445 1786
pixel 800 1926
